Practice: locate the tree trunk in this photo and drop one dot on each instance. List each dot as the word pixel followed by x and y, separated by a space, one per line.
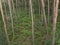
pixel 31 11
pixel 44 17
pixel 5 29
pixel 25 5
pixel 48 11
pixel 9 3
pixel 55 14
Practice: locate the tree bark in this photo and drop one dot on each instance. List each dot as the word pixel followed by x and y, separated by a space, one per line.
pixel 55 14
pixel 25 5
pixel 44 17
pixel 9 3
pixel 5 29
pixel 48 11
pixel 31 11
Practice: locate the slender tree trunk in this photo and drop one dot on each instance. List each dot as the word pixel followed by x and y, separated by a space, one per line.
pixel 25 5
pixel 16 4
pixel 55 14
pixel 53 36
pixel 9 3
pixel 22 4
pixel 48 11
pixel 31 10
pixel 5 11
pixel 39 6
pixel 5 8
pixel 13 6
pixel 44 16
pixel 41 12
pixel 14 11
pixel 5 29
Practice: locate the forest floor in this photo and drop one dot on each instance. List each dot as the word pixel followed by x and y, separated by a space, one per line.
pixel 23 30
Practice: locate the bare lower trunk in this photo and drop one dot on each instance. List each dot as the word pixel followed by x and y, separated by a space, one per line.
pixel 9 3
pixel 55 14
pixel 13 6
pixel 25 5
pixel 39 7
pixel 31 10
pixel 44 16
pixel 16 4
pixel 48 11
pixel 4 23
